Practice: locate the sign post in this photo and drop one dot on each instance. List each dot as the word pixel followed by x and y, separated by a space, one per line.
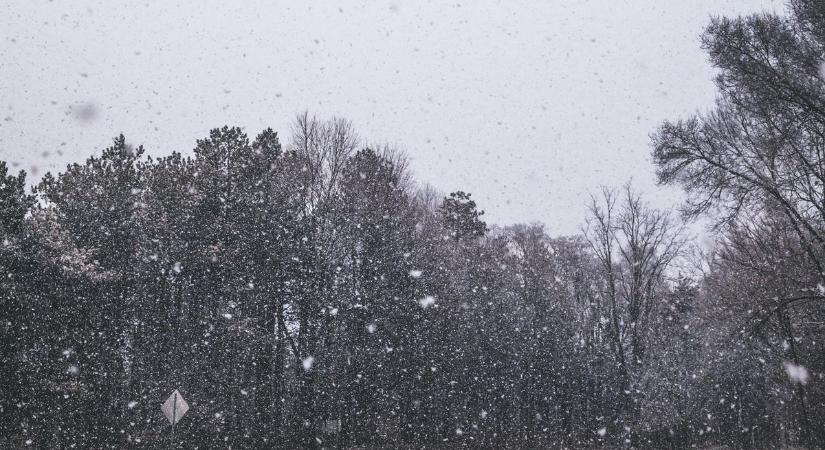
pixel 174 408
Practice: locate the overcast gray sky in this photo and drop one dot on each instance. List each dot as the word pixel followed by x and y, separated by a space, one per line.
pixel 528 105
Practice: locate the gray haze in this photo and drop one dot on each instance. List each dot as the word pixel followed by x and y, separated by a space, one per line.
pixel 528 105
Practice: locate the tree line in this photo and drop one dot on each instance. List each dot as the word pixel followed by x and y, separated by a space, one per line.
pixel 314 295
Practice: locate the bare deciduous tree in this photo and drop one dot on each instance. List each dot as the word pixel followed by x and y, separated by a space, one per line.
pixel 635 246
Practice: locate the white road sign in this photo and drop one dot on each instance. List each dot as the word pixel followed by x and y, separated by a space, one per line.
pixel 174 407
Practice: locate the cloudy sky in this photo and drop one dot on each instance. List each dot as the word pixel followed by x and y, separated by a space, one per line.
pixel 528 105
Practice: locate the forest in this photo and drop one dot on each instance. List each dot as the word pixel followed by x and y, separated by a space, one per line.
pixel 314 294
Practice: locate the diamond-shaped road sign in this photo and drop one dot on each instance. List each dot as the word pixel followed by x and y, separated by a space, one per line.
pixel 174 407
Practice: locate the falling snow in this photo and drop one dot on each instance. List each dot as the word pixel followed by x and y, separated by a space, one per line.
pixel 557 225
pixel 796 374
pixel 427 301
